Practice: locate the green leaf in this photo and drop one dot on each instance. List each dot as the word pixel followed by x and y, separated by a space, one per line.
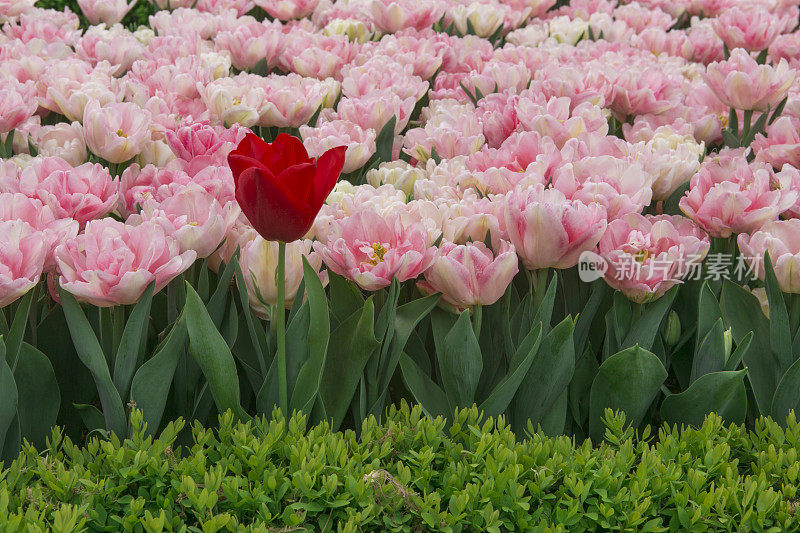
pixel 310 376
pixel 345 298
pixel 460 363
pixel 710 355
pixel 13 340
pixel 780 335
pixel 504 391
pixel 216 304
pixel 708 312
pixel 644 329
pixel 39 396
pixel 151 384
pixel 385 141
pixel 132 345
pixel 8 146
pixel 547 378
pixel 741 348
pixel 8 397
pixel 352 343
pixel 91 355
pixel 742 312
pixel 583 322
pixel 787 394
pixel 92 417
pixel 555 419
pixel 258 337
pixel 212 354
pixel 427 393
pixel 627 381
pixel 719 392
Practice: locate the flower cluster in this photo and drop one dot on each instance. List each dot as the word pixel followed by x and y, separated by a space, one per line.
pixel 524 134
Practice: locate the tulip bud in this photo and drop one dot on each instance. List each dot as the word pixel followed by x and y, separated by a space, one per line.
pixel 728 336
pixel 672 331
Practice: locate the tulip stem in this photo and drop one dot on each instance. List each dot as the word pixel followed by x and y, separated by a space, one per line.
pixel 477 318
pixel 280 318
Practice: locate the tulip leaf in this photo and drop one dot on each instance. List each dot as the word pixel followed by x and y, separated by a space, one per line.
pixel 91 355
pixel 710 355
pixel 643 330
pixel 627 381
pixel 209 349
pixel 543 314
pixel 13 340
pixel 431 398
pixel 351 345
pixel 583 322
pixel 310 376
pixel 780 335
pixel 787 394
pixel 216 304
pixel 504 391
pixel 708 311
pixel 460 363
pixel 742 312
pixel 150 386
pixel 39 396
pixel 91 416
pixel 8 397
pixel 547 378
pixel 738 354
pixel 345 298
pixel 555 419
pixel 258 337
pixel 384 142
pixel 132 345
pixel 719 392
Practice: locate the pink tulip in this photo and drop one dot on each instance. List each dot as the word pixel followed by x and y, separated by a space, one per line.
pixel 729 196
pixel 548 230
pixel 23 252
pixel 471 274
pixel 288 9
pixel 194 217
pixel 314 55
pixel 781 145
pixel 374 110
pixel 752 28
pixel 13 8
pixel 637 92
pixel 201 145
pixel 107 11
pixel 741 83
pixel 116 132
pixel 781 239
pixel 360 143
pixel 62 140
pixel 112 263
pixel 251 42
pixel 648 255
pixel 17 104
pixel 372 249
pixel 498 116
pixel 116 45
pixel 259 262
pixel 391 16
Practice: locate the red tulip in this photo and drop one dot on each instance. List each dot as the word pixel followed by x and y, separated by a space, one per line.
pixel 279 188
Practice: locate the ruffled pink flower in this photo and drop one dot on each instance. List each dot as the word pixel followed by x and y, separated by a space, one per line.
pixel 752 28
pixel 555 118
pixel 781 239
pixel 116 132
pixel 23 251
pixel 107 11
pixel 360 143
pixel 786 46
pixel 116 45
pixel 391 16
pixel 498 115
pixel 548 230
pixel 372 249
pixel 452 130
pixel 251 42
pixel 259 262
pixel 13 8
pixel 374 110
pixel 741 83
pixel 62 140
pixel 49 25
pixel 781 145
pixel 112 263
pixel 381 74
pixel 729 196
pixel 139 185
pixel 471 274
pixel 648 255
pixel 288 9
pixel 637 92
pixel 17 104
pixel 315 55
pixel 201 145
pixel 220 7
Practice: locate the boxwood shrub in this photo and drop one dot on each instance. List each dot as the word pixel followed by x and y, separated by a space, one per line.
pixel 409 474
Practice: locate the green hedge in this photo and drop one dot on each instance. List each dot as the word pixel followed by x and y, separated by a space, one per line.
pixel 409 474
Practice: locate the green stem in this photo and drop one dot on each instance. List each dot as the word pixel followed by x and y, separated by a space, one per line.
pixel 477 319
pixel 279 318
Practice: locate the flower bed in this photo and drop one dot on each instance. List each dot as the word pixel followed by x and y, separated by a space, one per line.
pixel 542 210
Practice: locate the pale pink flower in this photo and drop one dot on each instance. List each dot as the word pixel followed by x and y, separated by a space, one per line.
pixel 453 129
pixel 781 144
pixel 555 118
pixel 252 42
pixel 729 196
pixel 374 110
pixel 637 92
pixel 391 16
pixel 107 11
pixel 116 132
pixel 173 4
pixel 381 74
pixel 483 18
pixel 49 25
pixel 138 185
pixel 779 238
pixel 648 255
pixel 640 17
pixel 421 50
pixel 221 7
pixel 201 145
pixel 112 263
pixel 548 230
pixel 498 116
pixel 372 249
pixel 398 173
pixel 116 45
pixel 194 217
pixel 17 104
pixel 741 83
pixel 786 46
pixel 288 9
pixel 23 251
pixel 671 159
pixel 54 230
pixel 13 8
pixel 62 140
pixel 292 100
pixel 471 274
pixel 360 143
pixel 315 55
pixel 259 262
pixel 751 28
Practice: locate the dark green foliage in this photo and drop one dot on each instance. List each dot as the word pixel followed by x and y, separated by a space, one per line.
pixel 410 473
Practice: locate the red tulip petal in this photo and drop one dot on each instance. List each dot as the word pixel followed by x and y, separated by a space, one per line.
pixel 251 146
pixel 239 163
pixel 288 151
pixel 329 167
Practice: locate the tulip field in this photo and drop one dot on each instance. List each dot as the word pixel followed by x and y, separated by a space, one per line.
pixel 547 209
